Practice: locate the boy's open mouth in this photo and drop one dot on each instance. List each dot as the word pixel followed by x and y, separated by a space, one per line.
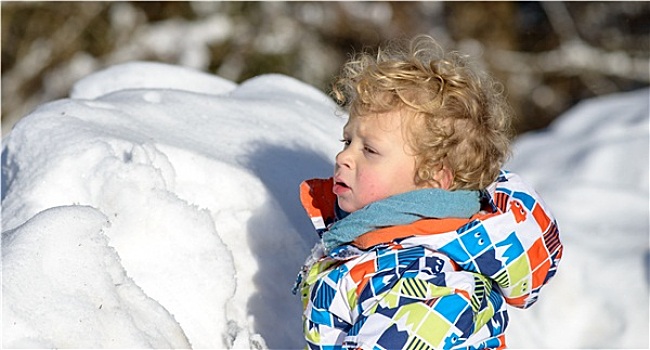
pixel 340 187
pixel 342 184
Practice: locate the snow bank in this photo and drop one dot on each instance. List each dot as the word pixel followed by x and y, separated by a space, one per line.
pixel 591 167
pixel 158 207
pixel 60 261
pixel 199 193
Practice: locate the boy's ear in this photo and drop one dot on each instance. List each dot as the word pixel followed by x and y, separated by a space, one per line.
pixel 444 178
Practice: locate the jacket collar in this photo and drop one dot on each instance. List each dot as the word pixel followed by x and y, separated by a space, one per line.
pixel 321 205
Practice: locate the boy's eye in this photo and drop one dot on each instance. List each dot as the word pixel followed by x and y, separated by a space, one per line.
pixel 369 150
pixel 345 142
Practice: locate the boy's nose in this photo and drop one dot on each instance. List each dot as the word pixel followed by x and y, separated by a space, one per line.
pixel 343 159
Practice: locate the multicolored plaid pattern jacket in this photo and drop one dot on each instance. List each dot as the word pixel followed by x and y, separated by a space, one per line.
pixel 435 283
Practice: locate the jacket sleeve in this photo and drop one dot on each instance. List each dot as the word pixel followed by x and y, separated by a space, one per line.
pixel 518 246
pixel 322 335
pixel 324 306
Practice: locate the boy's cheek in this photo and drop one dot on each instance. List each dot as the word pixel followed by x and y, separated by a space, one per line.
pixel 371 187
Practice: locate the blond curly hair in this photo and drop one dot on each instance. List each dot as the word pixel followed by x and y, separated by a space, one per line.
pixel 459 115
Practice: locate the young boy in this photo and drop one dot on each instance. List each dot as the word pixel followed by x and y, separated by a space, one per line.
pixel 424 239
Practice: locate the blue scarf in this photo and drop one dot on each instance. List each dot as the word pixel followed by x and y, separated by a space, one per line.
pixel 402 209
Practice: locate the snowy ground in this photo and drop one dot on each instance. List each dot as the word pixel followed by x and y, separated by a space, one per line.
pixel 158 207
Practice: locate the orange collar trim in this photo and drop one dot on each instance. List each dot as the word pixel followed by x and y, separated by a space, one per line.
pixel 419 228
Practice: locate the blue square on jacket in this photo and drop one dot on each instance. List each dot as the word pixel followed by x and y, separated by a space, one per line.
pixel 476 240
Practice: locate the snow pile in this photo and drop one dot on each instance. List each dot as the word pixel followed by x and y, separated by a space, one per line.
pixel 187 193
pixel 591 167
pixel 158 207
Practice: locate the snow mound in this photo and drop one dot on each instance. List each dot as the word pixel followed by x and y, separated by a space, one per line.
pixel 66 255
pixel 200 190
pixel 591 167
pixel 149 75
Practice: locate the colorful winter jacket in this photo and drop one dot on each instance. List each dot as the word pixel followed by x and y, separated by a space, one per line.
pixel 433 283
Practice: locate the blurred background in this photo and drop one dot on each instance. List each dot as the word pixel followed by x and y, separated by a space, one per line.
pixel 548 55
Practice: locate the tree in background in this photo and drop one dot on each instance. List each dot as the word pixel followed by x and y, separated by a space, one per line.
pixel 549 55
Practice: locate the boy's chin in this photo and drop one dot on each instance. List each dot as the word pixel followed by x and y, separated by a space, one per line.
pixel 346 206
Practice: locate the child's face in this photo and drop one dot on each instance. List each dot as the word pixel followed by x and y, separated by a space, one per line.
pixel 376 161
